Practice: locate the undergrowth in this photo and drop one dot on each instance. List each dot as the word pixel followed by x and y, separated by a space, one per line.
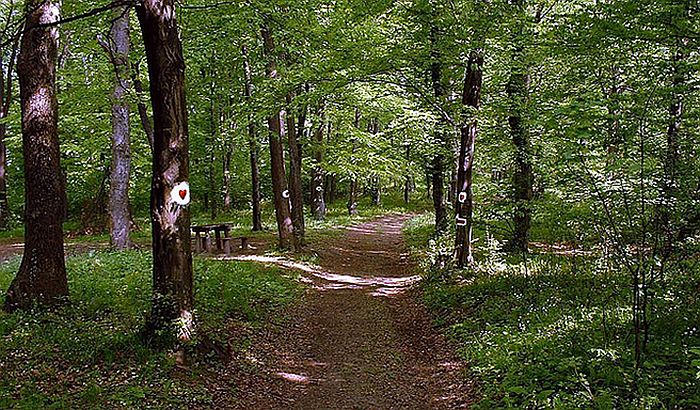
pixel 88 354
pixel 551 331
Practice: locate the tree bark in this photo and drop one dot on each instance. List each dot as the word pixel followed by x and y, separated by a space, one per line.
pixel 471 97
pixel 438 163
pixel 275 123
pixel 672 156
pixel 253 144
pixel 407 182
pixel 214 134
pixel 318 204
pixel 143 110
pixel 517 90
pixel 296 193
pixel 171 309
pixel 119 217
pixel 42 274
pixel 352 191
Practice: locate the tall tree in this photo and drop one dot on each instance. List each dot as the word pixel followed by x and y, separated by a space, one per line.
pixel 437 168
pixel 318 204
pixel 42 273
pixel 5 103
pixel 471 98
pixel 253 145
pixel 296 193
pixel 117 48
pixel 352 191
pixel 170 216
pixel 517 90
pixel 275 123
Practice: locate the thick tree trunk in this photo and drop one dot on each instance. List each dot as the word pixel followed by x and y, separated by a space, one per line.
pixel 42 274
pixel 119 217
pixel 253 144
pixel 296 193
pixel 318 204
pixel 517 90
pixel 285 227
pixel 438 163
pixel 171 310
pixel 471 97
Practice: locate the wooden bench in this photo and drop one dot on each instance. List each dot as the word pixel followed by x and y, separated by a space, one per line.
pixel 227 243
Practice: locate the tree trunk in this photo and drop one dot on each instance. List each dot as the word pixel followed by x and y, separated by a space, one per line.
pixel 471 97
pixel 119 217
pixel 407 182
pixel 5 103
pixel 214 133
pixel 143 110
pixel 285 227
pixel 318 204
pixel 42 274
pixel 296 192
pixel 227 177
pixel 517 90
pixel 672 157
pixel 171 309
pixel 438 164
pixel 253 144
pixel 352 191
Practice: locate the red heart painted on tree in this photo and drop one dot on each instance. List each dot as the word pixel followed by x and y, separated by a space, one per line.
pixel 183 193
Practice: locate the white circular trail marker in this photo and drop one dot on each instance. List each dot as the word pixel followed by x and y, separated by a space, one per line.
pixel 285 194
pixel 181 193
pixel 462 197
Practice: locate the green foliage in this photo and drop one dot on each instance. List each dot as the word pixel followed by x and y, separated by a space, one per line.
pixel 554 331
pixel 88 352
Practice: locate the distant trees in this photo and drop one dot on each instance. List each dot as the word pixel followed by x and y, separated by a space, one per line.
pixel 42 274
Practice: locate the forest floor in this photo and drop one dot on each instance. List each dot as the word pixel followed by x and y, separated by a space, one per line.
pixel 358 339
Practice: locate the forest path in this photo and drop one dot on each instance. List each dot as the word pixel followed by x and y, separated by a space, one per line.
pixel 358 339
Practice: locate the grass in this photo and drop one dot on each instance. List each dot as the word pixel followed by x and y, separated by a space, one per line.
pixel 555 332
pixel 87 354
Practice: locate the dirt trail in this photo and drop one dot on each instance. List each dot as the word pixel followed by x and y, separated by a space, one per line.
pixel 359 339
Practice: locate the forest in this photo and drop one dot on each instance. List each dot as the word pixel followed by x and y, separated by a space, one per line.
pixel 350 204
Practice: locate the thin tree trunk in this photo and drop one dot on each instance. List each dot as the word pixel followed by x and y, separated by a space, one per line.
pixel 352 192
pixel 517 90
pixel 471 97
pixel 143 110
pixel 296 193
pixel 438 162
pixel 227 177
pixel 171 309
pixel 253 144
pixel 119 216
pixel 672 155
pixel 5 103
pixel 318 204
pixel 285 227
pixel 42 274
pixel 214 133
pixel 407 182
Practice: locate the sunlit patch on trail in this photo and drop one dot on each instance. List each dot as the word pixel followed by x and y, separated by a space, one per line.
pixel 294 378
pixel 376 285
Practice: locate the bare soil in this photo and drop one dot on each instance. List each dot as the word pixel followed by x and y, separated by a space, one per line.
pixel 359 339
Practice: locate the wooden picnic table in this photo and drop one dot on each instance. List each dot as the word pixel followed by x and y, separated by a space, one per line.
pixel 204 242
